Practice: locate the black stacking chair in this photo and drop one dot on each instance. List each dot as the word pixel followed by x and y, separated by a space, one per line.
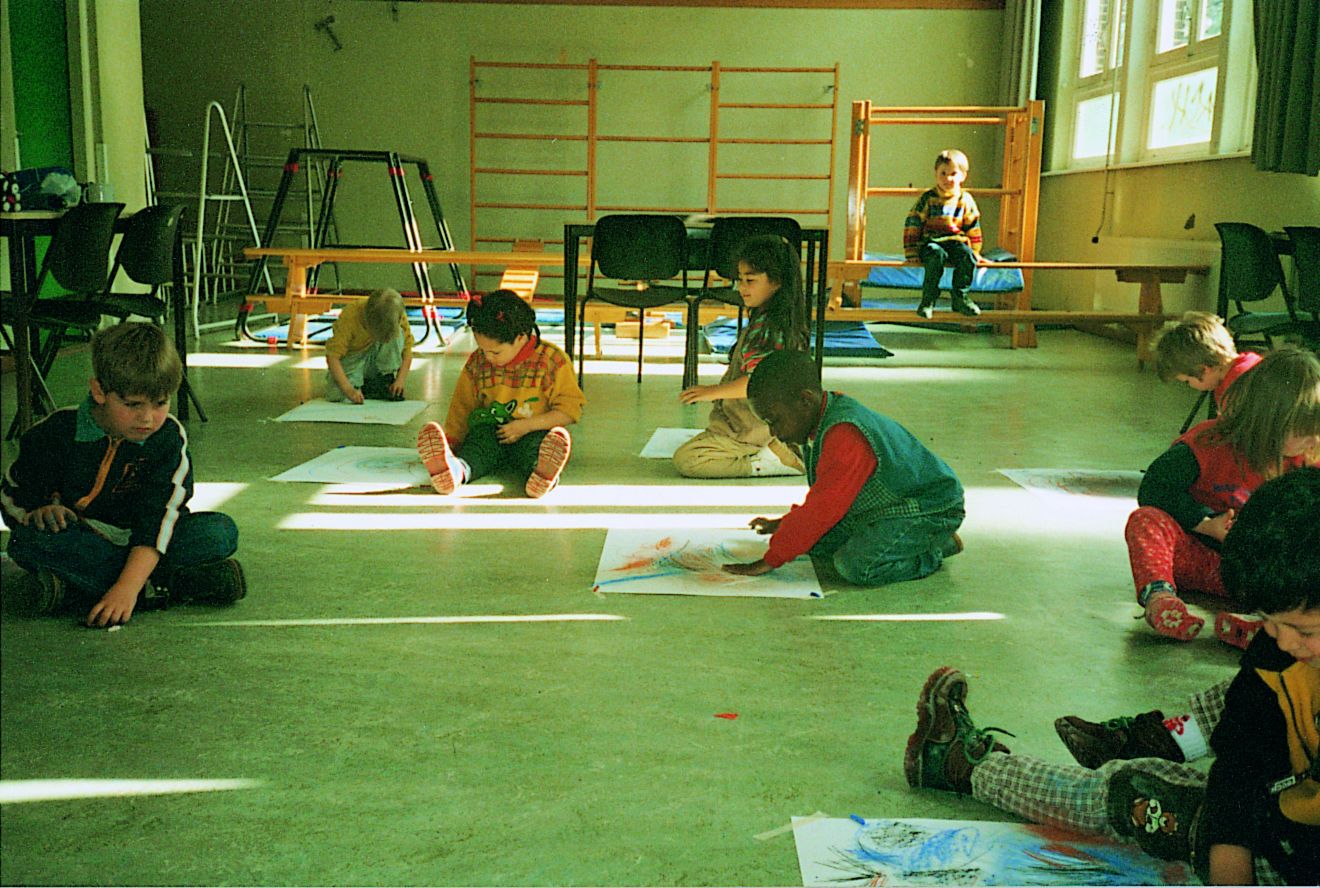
pixel 1306 260
pixel 1250 271
pixel 146 255
pixel 77 259
pixel 638 251
pixel 726 236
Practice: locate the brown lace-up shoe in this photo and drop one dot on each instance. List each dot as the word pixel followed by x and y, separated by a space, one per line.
pixel 947 745
pixel 1140 736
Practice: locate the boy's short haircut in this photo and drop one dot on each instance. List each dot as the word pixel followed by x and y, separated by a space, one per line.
pixel 952 156
pixel 136 358
pixel 383 314
pixel 1198 341
pixel 1268 562
pixel 782 376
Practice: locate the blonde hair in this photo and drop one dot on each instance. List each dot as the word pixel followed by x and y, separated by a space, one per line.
pixel 383 314
pixel 952 156
pixel 136 358
pixel 1198 341
pixel 1279 398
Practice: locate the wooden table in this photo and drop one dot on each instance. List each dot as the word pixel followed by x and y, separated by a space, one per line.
pixel 1150 304
pixel 299 260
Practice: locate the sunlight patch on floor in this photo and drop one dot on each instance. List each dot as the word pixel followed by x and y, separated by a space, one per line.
pixel 391 621
pixel 12 791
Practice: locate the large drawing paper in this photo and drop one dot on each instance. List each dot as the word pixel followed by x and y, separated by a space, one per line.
pixel 688 562
pixel 1110 483
pixel 664 442
pixel 839 851
pixel 376 412
pixel 397 466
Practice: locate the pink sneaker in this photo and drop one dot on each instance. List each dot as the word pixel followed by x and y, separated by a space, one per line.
pixel 433 447
pixel 1236 629
pixel 1168 616
pixel 550 462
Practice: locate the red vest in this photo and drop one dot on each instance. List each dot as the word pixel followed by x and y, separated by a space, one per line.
pixel 1226 481
pixel 1241 364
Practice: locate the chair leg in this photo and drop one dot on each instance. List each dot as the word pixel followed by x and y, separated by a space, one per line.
pixel 690 344
pixel 582 338
pixel 1196 408
pixel 641 338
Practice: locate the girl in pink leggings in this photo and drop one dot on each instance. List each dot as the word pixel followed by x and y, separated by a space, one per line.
pixel 1188 499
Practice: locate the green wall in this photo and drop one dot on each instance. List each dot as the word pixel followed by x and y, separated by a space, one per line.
pixel 38 43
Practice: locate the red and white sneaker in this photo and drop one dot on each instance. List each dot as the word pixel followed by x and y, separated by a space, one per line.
pixel 433 447
pixel 1236 629
pixel 1168 616
pixel 550 462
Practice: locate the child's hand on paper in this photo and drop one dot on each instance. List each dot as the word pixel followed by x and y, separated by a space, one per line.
pixel 355 395
pixel 751 569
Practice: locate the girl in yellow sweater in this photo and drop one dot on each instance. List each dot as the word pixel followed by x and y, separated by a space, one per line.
pixel 514 397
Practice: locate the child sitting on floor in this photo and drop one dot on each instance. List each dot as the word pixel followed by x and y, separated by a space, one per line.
pixel 370 353
pixel 510 405
pixel 881 504
pixel 737 444
pixel 1190 494
pixel 1256 818
pixel 97 499
pixel 1200 352
pixel 944 227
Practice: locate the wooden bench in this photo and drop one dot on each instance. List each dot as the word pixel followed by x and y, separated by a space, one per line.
pixel 1020 318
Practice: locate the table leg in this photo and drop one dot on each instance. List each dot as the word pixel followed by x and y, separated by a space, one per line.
pixel 21 250
pixel 1150 303
pixel 570 288
pixel 295 287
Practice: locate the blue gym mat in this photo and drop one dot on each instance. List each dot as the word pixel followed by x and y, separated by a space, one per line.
pixel 321 327
pixel 843 339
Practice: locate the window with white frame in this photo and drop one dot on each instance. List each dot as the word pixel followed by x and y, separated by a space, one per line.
pixel 1154 80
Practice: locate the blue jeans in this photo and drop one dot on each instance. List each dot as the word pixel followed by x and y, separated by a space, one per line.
pixel 889 550
pixel 935 256
pixel 91 563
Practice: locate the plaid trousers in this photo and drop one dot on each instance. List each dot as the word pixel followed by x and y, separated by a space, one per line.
pixel 1073 797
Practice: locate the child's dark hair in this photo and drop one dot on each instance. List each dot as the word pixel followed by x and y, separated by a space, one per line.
pixel 1269 562
pixel 777 259
pixel 503 316
pixel 136 358
pixel 782 376
pixel 1279 398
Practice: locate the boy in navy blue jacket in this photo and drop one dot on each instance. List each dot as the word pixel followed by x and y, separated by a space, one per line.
pixel 1256 818
pixel 97 500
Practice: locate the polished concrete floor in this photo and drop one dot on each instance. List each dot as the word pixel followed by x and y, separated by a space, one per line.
pixel 575 752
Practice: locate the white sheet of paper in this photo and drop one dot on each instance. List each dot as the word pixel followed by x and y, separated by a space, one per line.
pixel 398 466
pixel 842 851
pixel 376 412
pixel 1110 483
pixel 664 442
pixel 688 562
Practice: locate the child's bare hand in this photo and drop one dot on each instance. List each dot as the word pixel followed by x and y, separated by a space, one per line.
pixel 52 518
pixel 751 569
pixel 355 396
pixel 396 387
pixel 764 525
pixel 511 431
pixel 695 394
pixel 1217 526
pixel 981 260
pixel 114 608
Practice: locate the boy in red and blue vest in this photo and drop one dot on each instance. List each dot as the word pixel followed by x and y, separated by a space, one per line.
pixel 882 506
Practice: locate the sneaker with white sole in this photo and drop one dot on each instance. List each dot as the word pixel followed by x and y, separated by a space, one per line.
pixel 439 459
pixel 550 461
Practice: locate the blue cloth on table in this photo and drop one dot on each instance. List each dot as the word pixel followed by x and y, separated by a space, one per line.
pixel 321 327
pixel 988 279
pixel 842 339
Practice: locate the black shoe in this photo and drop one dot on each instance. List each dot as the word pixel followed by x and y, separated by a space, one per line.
pixel 38 594
pixel 963 305
pixel 1157 813
pixel 220 582
pixel 377 388
pixel 926 308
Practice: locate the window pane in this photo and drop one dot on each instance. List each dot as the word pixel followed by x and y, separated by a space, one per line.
pixel 1212 19
pixel 1175 24
pixel 1093 135
pixel 1098 36
pixel 1183 109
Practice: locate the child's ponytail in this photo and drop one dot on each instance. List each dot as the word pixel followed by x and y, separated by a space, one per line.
pixel 502 315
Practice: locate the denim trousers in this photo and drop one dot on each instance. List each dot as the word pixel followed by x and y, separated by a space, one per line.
pixel 889 550
pixel 90 562
pixel 935 256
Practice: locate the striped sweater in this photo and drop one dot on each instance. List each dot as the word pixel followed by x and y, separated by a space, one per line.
pixel 936 217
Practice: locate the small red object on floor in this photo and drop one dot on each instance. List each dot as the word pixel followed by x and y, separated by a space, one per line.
pixel 729 715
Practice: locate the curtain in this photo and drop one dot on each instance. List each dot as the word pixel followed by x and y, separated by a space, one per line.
pixel 1021 43
pixel 1287 131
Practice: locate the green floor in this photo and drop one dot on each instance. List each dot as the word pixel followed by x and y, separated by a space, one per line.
pixel 576 752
